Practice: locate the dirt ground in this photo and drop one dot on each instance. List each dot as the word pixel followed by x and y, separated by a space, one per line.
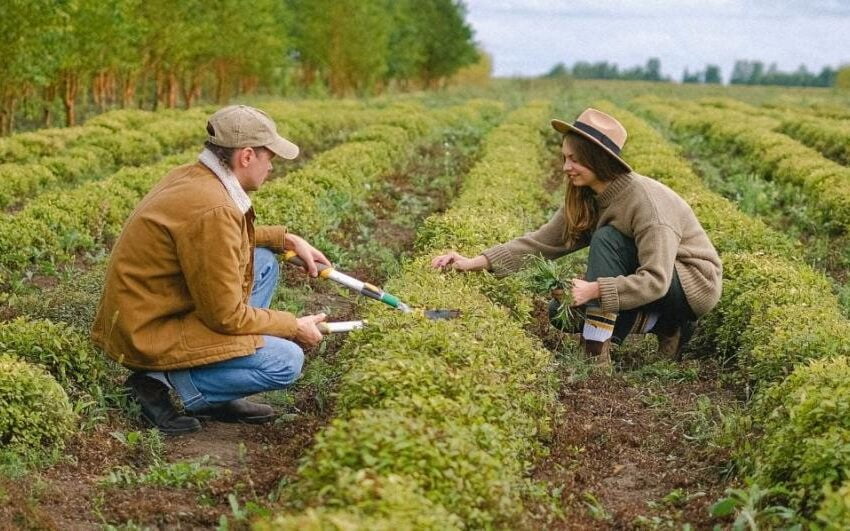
pixel 630 450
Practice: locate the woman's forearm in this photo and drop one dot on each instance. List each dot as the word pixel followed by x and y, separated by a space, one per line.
pixel 480 263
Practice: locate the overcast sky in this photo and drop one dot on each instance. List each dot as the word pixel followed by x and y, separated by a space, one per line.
pixel 528 37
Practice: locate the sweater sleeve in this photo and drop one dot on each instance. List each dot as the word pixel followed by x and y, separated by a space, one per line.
pixel 547 241
pixel 209 252
pixel 271 237
pixel 657 246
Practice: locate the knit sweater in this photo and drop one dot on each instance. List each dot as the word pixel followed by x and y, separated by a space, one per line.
pixel 666 232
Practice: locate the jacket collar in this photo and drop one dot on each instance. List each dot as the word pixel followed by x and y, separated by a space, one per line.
pixel 614 188
pixel 230 182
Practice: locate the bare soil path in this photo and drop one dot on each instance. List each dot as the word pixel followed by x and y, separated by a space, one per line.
pixel 633 449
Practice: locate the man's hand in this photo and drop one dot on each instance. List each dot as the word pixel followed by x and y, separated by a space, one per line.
pixel 458 262
pixel 308 334
pixel 306 252
pixel 584 292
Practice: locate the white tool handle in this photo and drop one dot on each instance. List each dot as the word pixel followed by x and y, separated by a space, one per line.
pixel 340 326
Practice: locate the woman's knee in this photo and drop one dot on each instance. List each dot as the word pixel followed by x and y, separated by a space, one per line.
pixel 283 361
pixel 608 236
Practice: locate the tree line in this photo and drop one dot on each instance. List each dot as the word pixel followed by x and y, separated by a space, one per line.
pixel 60 54
pixel 744 72
pixel 605 70
pixel 755 73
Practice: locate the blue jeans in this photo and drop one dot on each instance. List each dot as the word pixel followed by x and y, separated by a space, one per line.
pixel 273 366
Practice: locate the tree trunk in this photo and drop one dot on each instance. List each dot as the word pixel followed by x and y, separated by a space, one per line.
pixel 222 90
pixel 172 90
pixel 7 114
pixel 96 92
pixel 190 89
pixel 308 75
pixel 47 96
pixel 69 98
pixel 110 87
pixel 128 90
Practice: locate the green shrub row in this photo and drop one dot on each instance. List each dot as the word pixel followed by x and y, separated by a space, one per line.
pixel 62 350
pixel 135 138
pixel 35 413
pixel 825 184
pixel 315 199
pixel 776 314
pixel 34 146
pixel 102 146
pixel 805 442
pixel 448 412
pixel 499 201
pixel 69 356
pixel 830 137
pixel 767 290
pixel 56 226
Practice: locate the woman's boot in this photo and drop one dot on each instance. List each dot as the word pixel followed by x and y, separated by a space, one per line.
pixel 672 340
pixel 598 352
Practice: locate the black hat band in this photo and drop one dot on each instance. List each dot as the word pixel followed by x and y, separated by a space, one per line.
pixel 598 135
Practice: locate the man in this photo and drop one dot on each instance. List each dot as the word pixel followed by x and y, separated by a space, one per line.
pixel 190 279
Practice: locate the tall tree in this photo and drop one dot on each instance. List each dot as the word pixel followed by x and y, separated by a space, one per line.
pixel 29 31
pixel 447 39
pixel 345 41
pixel 712 74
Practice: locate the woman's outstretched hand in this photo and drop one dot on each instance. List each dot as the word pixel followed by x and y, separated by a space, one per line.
pixel 584 291
pixel 458 262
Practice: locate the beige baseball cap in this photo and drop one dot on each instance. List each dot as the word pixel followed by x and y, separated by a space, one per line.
pixel 239 126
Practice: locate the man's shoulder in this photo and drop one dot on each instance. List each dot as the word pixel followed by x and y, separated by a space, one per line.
pixel 191 188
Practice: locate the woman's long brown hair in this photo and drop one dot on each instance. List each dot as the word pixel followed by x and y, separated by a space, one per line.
pixel 580 209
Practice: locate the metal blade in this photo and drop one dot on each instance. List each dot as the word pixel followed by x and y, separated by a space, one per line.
pixel 441 314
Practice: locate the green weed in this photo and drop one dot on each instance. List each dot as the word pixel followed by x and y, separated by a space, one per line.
pixel 178 475
pixel 146 447
pixel 595 508
pixel 755 508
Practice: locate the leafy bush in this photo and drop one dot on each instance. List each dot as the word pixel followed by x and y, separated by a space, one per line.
pixel 371 501
pixel 775 315
pixel 455 408
pixel 741 130
pixel 830 137
pixel 34 410
pixel 59 348
pixel 806 425
pixel 834 512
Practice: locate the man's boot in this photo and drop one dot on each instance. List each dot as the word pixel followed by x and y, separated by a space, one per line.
pixel 156 406
pixel 240 410
pixel 598 352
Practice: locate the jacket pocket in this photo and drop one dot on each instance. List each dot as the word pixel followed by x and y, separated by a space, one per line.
pixel 195 335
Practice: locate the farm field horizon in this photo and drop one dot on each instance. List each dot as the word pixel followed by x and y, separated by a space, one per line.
pixel 492 420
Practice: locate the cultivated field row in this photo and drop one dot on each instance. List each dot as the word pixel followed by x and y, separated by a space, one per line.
pixel 778 320
pixel 824 183
pixel 438 421
pixel 59 352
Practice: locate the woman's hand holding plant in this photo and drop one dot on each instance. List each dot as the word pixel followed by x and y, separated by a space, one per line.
pixel 458 262
pixel 584 292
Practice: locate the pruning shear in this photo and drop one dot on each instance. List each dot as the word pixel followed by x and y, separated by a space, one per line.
pixel 368 290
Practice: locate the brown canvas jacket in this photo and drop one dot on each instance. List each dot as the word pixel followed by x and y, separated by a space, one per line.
pixel 180 277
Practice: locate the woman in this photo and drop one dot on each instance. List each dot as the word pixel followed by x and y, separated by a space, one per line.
pixel 651 267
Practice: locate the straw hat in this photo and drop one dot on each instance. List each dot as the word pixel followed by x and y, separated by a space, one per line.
pixel 600 128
